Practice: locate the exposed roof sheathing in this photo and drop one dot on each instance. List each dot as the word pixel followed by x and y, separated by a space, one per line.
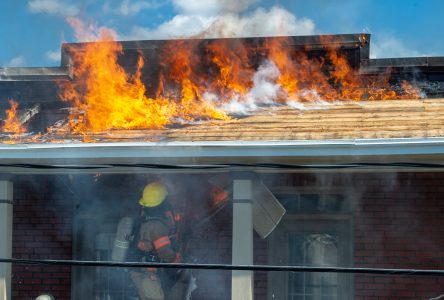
pixel 314 121
pixel 368 131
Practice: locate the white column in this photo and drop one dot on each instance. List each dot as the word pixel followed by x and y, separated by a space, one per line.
pixel 242 247
pixel 6 232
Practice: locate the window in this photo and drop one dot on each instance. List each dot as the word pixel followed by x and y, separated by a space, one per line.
pixel 312 250
pixel 316 231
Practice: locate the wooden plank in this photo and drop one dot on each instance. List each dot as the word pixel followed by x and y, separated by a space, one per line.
pixel 347 120
pixel 320 136
pixel 334 123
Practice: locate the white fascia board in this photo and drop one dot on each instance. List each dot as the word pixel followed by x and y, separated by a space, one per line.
pixel 208 150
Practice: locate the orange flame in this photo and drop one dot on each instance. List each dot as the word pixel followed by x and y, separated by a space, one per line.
pixel 299 74
pixel 233 68
pixel 106 97
pixel 184 91
pixel 12 123
pixel 196 79
pixel 336 81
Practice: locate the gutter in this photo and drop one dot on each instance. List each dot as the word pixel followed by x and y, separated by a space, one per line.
pixel 34 74
pixel 297 148
pixel 94 158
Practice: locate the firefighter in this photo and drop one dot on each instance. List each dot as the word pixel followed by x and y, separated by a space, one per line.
pixel 153 239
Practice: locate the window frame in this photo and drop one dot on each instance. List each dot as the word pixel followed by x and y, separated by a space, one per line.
pixel 340 224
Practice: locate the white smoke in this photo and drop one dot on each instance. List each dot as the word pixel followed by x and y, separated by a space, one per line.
pixel 17 61
pixel 389 46
pixel 217 18
pixel 90 32
pixel 129 8
pixel 317 104
pixel 53 56
pixel 265 91
pixel 231 18
pixel 53 7
pixel 211 7
pixel 279 22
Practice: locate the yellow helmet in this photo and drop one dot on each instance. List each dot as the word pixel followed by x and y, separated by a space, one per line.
pixel 153 194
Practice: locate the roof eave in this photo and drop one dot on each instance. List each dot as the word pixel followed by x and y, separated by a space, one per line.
pixel 216 151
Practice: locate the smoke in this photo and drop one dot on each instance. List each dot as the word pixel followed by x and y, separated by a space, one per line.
pixel 53 56
pixel 224 19
pixel 129 8
pixel 280 22
pixel 265 91
pixel 219 19
pixel 17 61
pixel 211 7
pixel 53 7
pixel 390 46
pixel 90 32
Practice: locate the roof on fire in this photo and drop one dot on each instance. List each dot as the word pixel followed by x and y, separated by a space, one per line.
pixel 311 121
pixel 370 131
pixel 338 129
pixel 381 119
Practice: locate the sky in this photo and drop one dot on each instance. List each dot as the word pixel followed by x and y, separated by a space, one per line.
pixel 32 31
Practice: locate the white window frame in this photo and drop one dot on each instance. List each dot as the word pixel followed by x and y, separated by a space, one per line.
pixel 340 224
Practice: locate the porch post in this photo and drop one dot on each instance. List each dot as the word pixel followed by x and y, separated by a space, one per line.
pixel 6 232
pixel 242 247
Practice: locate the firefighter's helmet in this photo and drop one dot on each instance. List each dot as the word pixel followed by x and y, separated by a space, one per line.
pixel 45 297
pixel 153 194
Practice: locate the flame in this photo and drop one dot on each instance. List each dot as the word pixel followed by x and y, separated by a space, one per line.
pixel 196 80
pixel 331 79
pixel 106 97
pixel 234 70
pixel 184 89
pixel 299 74
pixel 12 123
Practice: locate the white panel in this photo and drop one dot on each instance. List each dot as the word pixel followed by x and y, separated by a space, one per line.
pixel 242 252
pixel 6 231
pixel 3 294
pixel 267 210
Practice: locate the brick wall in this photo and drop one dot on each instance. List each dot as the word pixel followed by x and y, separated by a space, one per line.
pixel 399 224
pixel 42 225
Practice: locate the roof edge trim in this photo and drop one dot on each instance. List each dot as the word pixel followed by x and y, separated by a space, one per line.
pixel 298 148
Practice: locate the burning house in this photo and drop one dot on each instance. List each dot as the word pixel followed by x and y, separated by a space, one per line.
pixel 325 158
